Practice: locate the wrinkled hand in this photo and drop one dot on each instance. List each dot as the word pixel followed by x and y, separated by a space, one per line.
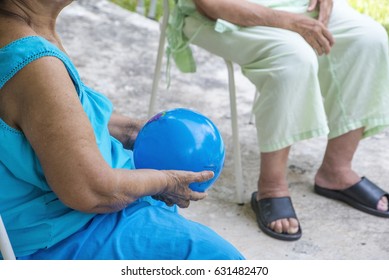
pixel 177 190
pixel 324 7
pixel 314 32
pixel 133 129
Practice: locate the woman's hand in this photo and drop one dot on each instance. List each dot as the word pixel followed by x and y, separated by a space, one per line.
pixel 313 31
pixel 125 129
pixel 134 126
pixel 324 7
pixel 177 190
pixel 319 37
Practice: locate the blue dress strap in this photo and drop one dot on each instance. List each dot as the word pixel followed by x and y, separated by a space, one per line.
pixel 19 53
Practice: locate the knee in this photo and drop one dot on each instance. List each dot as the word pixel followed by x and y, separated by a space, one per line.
pixel 372 36
pixel 301 58
pixel 287 61
pixel 378 37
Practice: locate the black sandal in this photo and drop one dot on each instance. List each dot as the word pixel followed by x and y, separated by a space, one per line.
pixel 363 196
pixel 268 210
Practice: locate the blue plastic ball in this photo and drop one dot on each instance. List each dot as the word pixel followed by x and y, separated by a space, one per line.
pixel 180 139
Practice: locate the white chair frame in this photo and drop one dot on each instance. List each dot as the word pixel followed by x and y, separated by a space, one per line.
pixel 141 9
pixel 5 245
pixel 233 105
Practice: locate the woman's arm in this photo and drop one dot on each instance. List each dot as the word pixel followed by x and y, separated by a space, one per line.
pixel 125 129
pixel 247 14
pixel 50 114
pixel 242 13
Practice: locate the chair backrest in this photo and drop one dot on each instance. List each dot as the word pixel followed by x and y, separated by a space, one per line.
pixel 5 245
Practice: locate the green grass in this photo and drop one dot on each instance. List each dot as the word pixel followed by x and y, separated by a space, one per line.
pixel 377 9
pixel 131 5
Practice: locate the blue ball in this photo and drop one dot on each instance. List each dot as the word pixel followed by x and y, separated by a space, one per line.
pixel 180 139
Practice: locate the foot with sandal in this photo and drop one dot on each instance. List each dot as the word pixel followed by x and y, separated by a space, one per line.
pixel 335 179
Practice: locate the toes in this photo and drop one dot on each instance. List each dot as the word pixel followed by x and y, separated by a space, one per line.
pixel 289 226
pixel 293 226
pixel 275 226
pixel 285 225
pixel 383 204
pixel 278 226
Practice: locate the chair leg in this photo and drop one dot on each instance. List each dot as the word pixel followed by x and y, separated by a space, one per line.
pixel 5 245
pixel 235 133
pixel 158 64
pixel 152 9
pixel 256 95
pixel 140 7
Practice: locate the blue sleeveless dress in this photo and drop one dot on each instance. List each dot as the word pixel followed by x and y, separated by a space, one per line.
pixel 40 226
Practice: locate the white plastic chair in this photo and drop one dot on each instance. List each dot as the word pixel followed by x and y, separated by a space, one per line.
pixel 5 245
pixel 232 91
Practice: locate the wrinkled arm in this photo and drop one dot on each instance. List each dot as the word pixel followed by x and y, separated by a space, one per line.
pixel 51 116
pixel 242 13
pixel 245 13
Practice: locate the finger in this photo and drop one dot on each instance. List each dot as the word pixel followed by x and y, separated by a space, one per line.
pixel 320 39
pixel 157 197
pixel 169 201
pixel 205 176
pixel 183 203
pixel 200 176
pixel 325 41
pixel 325 12
pixel 195 196
pixel 323 17
pixel 323 46
pixel 314 42
pixel 312 5
pixel 328 35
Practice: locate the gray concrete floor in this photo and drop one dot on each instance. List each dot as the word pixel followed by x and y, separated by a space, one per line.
pixel 115 52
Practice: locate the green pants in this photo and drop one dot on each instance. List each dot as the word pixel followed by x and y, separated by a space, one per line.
pixel 303 95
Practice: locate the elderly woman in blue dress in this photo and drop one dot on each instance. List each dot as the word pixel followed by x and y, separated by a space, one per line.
pixel 68 188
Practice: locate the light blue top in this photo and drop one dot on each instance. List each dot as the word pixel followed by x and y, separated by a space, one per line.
pixel 31 211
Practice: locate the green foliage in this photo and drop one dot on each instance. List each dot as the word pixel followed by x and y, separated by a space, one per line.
pixel 377 9
pixel 131 5
pixel 127 4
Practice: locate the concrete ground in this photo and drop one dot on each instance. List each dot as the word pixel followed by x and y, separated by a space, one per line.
pixel 115 52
